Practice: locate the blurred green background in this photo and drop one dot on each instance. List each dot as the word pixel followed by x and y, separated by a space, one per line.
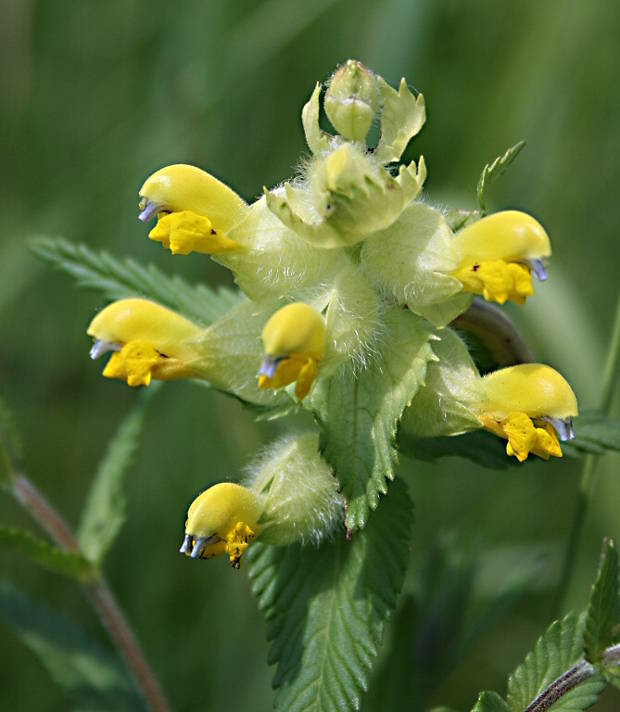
pixel 97 95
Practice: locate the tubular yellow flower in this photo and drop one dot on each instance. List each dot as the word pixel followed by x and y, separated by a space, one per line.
pixel 497 254
pixel 531 405
pixel 147 340
pixel 194 210
pixel 223 519
pixel 294 341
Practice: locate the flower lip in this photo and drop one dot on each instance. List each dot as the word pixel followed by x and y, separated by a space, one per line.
pixel 562 426
pixel 148 209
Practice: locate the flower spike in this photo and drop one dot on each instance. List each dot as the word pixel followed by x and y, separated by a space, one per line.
pixel 147 340
pixel 223 519
pixel 294 341
pixel 531 405
pixel 497 254
pixel 194 210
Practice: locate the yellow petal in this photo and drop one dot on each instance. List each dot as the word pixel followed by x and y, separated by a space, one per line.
pixel 182 187
pixel 295 330
pixel 532 388
pixel 497 280
pixel 184 232
pixel 305 379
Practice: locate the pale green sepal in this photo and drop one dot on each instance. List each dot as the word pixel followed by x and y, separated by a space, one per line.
pixel 443 313
pixel 411 263
pixel 231 353
pixel 300 491
pixel 402 117
pixel 440 407
pixel 316 139
pixel 347 199
pixel 353 321
pixel 318 234
pixel 273 260
pixel 359 413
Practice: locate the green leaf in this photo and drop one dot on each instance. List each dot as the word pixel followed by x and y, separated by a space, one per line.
pixel 105 510
pixel 595 433
pixel 326 608
pixel 359 414
pixel 611 666
pixel 493 170
pixel 555 653
pixel 490 702
pixel 603 613
pixel 91 677
pixel 480 447
pixel 10 444
pixel 118 279
pixel 68 563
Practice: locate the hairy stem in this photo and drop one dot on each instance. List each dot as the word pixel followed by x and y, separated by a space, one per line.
pixel 97 591
pixel 586 483
pixel 571 678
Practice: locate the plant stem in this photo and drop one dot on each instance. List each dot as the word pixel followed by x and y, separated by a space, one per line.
pixel 98 592
pixel 586 483
pixel 496 331
pixel 571 678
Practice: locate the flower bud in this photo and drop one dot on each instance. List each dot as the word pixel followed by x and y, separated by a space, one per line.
pixel 352 100
pixel 147 341
pixel 223 519
pixel 294 341
pixel 194 209
pixel 497 253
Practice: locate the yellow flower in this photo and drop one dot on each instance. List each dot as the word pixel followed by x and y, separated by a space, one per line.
pixel 147 340
pixel 223 519
pixel 294 341
pixel 531 405
pixel 497 254
pixel 194 210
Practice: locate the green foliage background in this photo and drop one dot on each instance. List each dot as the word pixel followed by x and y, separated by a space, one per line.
pixel 95 97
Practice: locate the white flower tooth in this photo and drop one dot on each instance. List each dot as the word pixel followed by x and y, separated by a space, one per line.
pixel 563 427
pixel 149 210
pixel 102 347
pixel 538 268
pixel 186 545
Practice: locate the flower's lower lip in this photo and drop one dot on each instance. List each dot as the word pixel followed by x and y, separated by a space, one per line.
pixel 149 210
pixel 103 347
pixel 563 427
pixel 269 365
pixel 538 268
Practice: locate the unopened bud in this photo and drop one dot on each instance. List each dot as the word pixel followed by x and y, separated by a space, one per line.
pixel 352 101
